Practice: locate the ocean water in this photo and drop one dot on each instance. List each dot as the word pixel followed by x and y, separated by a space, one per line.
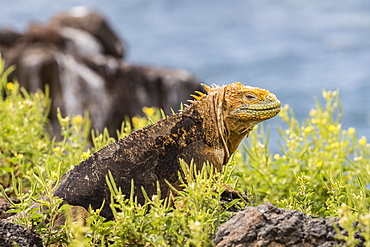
pixel 293 48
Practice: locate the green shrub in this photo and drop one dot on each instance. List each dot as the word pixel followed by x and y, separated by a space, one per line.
pixel 321 170
pixel 25 145
pixel 32 164
pixel 320 166
pixel 196 213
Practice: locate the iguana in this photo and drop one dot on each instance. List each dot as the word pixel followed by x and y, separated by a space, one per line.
pixel 210 129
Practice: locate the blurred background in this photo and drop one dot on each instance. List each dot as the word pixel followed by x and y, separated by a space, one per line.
pixel 292 48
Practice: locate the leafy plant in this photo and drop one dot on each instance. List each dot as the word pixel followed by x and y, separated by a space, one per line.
pixel 321 169
pixel 320 166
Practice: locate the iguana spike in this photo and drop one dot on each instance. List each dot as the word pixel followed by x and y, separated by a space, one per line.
pixel 207 88
pixel 196 96
pixel 200 94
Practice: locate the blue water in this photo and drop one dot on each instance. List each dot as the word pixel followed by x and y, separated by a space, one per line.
pixel 293 48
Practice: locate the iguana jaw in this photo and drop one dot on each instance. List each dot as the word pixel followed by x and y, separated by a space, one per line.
pixel 259 111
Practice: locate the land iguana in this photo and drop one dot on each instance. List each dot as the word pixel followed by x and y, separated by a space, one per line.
pixel 210 129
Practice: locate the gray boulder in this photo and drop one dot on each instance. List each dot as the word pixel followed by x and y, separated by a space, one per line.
pixel 269 226
pixel 16 235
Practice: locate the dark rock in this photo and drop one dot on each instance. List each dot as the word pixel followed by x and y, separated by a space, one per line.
pixel 16 235
pixel 5 206
pixel 147 86
pixel 40 34
pixel 267 225
pixel 79 56
pixel 82 18
pixel 9 37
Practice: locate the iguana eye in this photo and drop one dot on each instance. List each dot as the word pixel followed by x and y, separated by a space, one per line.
pixel 250 97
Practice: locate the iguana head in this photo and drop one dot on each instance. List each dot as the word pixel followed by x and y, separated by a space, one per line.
pixel 245 106
pixel 244 103
pixel 248 103
pixel 237 109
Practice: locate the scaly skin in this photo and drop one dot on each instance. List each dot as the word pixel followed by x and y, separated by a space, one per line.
pixel 210 129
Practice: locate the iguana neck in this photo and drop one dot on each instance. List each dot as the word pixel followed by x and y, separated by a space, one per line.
pixel 211 111
pixel 240 129
pixel 217 124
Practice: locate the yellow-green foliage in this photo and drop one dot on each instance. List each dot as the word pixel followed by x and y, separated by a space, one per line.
pixel 321 169
pixel 25 145
pixel 320 166
pixel 31 165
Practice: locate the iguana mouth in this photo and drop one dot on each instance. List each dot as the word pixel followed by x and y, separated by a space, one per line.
pixel 273 107
pixel 277 108
pixel 264 105
pixel 260 110
pixel 263 113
